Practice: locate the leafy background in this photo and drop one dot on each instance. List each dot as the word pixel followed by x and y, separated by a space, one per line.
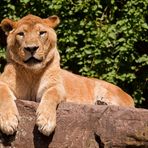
pixel 106 39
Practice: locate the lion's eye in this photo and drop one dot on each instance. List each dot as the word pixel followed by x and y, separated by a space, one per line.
pixel 20 34
pixel 42 33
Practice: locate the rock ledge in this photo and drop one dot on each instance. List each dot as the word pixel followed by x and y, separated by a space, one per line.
pixel 82 126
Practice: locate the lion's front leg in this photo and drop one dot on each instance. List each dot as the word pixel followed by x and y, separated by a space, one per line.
pixel 46 112
pixel 9 116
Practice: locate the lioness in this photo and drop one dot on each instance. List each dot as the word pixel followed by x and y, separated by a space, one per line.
pixel 33 73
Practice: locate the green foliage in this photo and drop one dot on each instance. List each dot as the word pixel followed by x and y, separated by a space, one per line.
pixel 106 39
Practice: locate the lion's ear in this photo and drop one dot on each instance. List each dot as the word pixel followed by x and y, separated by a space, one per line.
pixel 52 21
pixel 7 25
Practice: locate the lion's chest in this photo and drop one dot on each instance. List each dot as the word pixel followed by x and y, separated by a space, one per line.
pixel 26 90
pixel 31 90
pixel 26 93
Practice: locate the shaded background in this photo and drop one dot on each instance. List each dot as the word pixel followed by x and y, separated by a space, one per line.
pixel 106 39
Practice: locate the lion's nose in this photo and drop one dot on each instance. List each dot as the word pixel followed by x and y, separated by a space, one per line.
pixel 31 49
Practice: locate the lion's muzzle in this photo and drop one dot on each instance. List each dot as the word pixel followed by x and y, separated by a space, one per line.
pixel 31 49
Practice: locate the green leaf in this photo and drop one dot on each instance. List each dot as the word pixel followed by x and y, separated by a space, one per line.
pixel 144 25
pixel 112 35
pixel 24 1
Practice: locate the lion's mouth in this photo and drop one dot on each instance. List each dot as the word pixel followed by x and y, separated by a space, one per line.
pixel 32 60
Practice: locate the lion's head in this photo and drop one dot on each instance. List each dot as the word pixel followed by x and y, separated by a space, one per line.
pixel 31 41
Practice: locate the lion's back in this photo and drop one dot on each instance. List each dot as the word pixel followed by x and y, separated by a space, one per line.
pixel 85 90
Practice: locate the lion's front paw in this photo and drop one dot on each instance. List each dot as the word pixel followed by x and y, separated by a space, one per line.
pixel 9 121
pixel 46 122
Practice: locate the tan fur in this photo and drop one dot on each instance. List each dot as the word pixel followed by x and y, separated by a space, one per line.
pixel 33 73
